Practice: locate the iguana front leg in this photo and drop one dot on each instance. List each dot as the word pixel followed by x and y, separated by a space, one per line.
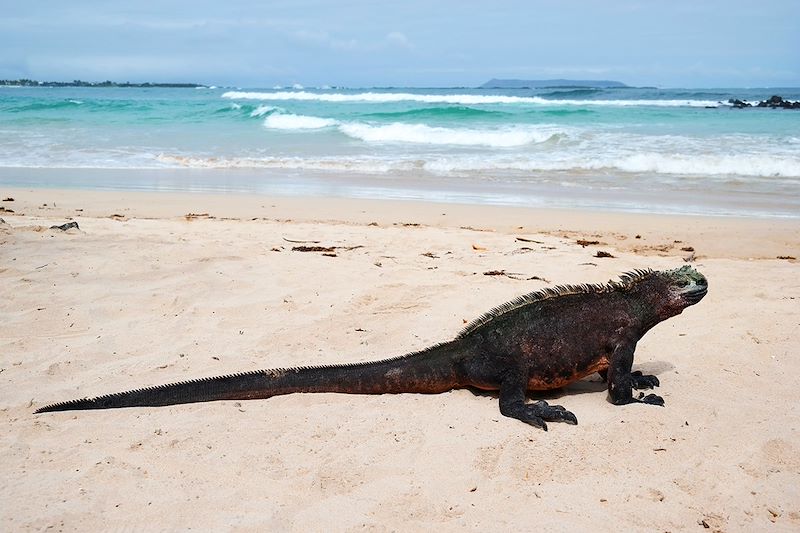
pixel 512 403
pixel 621 381
pixel 638 380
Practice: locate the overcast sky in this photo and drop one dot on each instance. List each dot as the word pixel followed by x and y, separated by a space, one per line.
pixel 675 43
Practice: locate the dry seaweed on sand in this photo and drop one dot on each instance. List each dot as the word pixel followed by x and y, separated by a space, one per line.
pixel 513 275
pixel 325 249
pixel 66 226
pixel 601 253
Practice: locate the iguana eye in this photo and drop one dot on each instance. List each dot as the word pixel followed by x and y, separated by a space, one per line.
pixel 682 283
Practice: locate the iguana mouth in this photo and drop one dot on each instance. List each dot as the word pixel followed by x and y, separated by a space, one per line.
pixel 696 294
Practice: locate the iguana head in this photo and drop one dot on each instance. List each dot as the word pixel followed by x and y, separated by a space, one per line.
pixel 667 293
pixel 685 286
pixel 688 284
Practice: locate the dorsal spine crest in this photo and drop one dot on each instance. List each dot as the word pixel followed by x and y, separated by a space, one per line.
pixel 626 281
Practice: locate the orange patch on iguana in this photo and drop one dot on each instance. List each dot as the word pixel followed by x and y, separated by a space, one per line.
pixel 544 384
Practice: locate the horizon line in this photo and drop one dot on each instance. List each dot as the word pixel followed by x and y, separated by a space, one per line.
pixel 299 86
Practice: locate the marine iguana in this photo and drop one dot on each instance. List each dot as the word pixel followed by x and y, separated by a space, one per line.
pixel 540 341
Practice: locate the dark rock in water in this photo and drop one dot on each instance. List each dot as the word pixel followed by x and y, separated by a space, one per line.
pixel 65 227
pixel 778 101
pixel 772 102
pixel 739 104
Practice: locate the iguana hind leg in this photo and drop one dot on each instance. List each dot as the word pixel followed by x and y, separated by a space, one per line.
pixel 512 404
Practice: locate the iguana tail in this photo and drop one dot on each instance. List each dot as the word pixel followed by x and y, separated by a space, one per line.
pixel 428 371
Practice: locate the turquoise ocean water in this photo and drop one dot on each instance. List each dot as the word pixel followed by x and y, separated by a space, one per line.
pixel 676 150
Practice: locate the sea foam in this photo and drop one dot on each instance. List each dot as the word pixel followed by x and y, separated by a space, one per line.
pixel 365 165
pixel 698 166
pixel 710 166
pixel 423 134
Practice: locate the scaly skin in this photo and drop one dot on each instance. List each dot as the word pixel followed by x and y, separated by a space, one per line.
pixel 540 341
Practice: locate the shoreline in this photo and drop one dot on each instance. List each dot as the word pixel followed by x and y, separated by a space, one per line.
pixel 639 196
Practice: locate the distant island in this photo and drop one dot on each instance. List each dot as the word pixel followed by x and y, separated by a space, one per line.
pixel 551 84
pixel 80 83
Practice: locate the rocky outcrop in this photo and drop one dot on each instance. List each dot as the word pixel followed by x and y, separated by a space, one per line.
pixel 739 104
pixel 777 101
pixel 772 102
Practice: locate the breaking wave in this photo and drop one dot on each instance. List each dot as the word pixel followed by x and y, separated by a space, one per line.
pixel 280 121
pixel 262 110
pixel 443 112
pixel 400 132
pixel 462 99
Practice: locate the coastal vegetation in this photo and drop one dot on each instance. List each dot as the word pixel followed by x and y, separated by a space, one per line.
pixel 24 82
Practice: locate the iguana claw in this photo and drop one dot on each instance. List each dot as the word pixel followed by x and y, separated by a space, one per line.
pixel 651 399
pixel 553 413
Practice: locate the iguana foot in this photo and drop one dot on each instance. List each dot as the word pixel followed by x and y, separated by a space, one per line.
pixel 651 399
pixel 554 413
pixel 641 381
pixel 537 413
pixel 512 404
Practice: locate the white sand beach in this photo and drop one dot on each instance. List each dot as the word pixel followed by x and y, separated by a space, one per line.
pixel 143 293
